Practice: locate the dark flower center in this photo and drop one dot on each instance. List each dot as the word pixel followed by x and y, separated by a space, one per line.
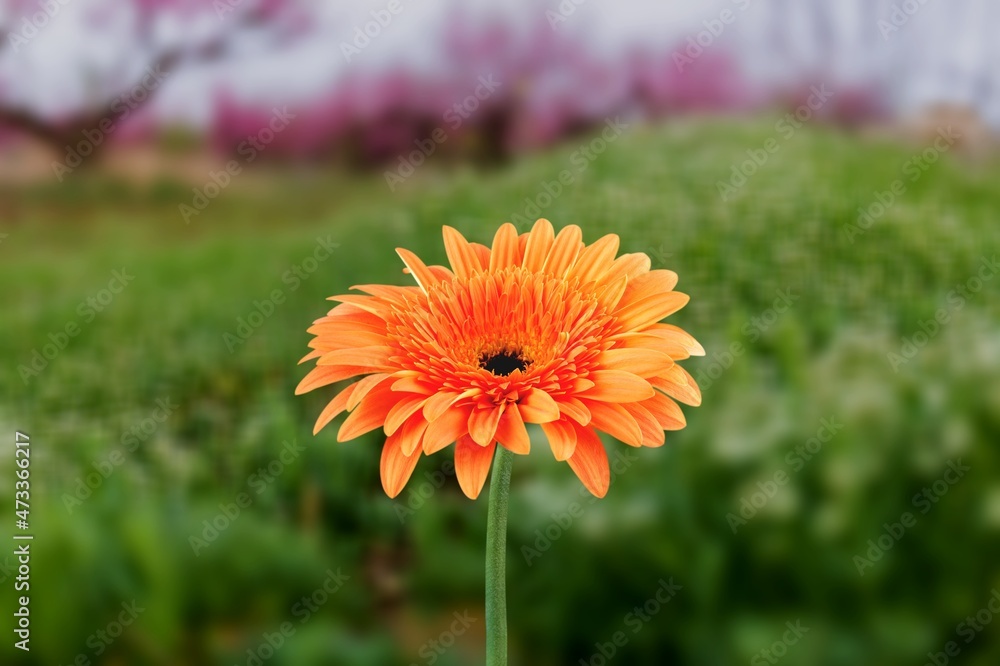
pixel 502 364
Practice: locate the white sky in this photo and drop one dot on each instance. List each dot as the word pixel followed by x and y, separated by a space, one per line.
pixel 948 49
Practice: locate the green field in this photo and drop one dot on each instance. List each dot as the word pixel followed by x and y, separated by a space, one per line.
pixel 798 315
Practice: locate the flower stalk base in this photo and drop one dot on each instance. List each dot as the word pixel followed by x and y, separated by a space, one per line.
pixel 496 560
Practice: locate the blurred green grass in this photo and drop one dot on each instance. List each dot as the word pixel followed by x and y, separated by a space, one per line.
pixel 666 514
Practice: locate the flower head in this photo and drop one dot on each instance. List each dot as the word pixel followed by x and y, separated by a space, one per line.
pixel 539 329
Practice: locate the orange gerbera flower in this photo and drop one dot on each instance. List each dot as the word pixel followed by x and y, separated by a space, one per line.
pixel 539 329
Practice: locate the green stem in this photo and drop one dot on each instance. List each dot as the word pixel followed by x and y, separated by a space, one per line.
pixel 496 560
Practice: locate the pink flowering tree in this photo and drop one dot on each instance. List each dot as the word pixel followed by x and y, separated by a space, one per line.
pixel 129 54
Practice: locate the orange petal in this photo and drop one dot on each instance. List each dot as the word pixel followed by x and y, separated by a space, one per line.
pixel 311 355
pixel 505 251
pixel 421 273
pixel 322 376
pixel 644 312
pixel 370 414
pixel 411 384
pixel 680 385
pixel 611 293
pixel 652 433
pixel 562 438
pixel 402 410
pixel 363 387
pixel 439 403
pixel 511 432
pixel 340 321
pixel 522 243
pixel 614 420
pixel 472 465
pixel 595 260
pixel 564 251
pixel 678 335
pixel 482 252
pixel 650 284
pixel 636 360
pixel 396 467
pixel 617 386
pixel 387 292
pixel 575 409
pixel 446 429
pixel 366 303
pixel 464 260
pixel 334 408
pixel 631 266
pixel 590 462
pixel 539 242
pixel 671 346
pixel 347 310
pixel 411 434
pixel 352 338
pixel 538 407
pixel 483 423
pixel 667 413
pixel 442 273
pixel 375 358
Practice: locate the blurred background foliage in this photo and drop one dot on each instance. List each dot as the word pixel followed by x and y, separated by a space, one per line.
pixel 411 563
